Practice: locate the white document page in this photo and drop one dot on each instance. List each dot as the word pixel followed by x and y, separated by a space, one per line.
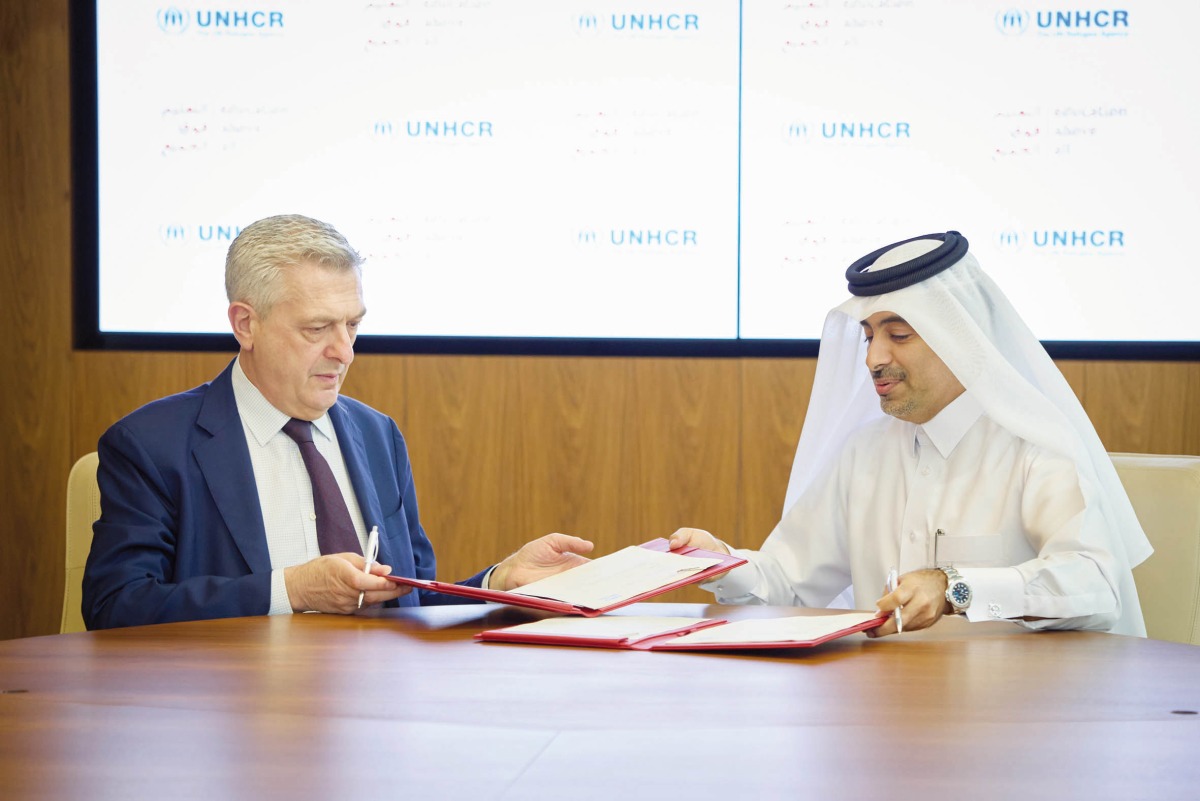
pixel 630 628
pixel 778 629
pixel 616 577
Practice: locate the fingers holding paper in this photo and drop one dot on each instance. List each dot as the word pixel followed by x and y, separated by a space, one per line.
pixel 697 538
pixel 539 559
pixel 921 598
pixel 371 587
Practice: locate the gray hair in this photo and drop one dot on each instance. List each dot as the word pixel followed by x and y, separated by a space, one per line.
pixel 265 249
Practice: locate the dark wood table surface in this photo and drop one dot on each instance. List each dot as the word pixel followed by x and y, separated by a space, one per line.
pixel 404 703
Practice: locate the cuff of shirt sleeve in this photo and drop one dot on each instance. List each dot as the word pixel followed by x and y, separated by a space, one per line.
pixel 486 582
pixel 737 584
pixel 997 593
pixel 280 603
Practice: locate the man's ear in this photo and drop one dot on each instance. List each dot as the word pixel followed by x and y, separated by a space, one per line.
pixel 242 319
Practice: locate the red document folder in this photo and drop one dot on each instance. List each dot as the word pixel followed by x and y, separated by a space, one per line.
pixel 668 634
pixel 555 605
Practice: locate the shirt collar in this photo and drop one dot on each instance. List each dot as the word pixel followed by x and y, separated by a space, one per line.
pixel 950 425
pixel 262 419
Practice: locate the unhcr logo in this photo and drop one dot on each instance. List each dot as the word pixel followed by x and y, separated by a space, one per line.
pixel 172 20
pixel 1100 18
pixel 239 19
pixel 434 129
pixel 1063 239
pixel 1080 239
pixel 173 233
pixel 1012 21
pixel 637 23
pixel 448 129
pixel 852 129
pixel 1010 239
pixel 218 233
pixel 635 237
pixel 655 22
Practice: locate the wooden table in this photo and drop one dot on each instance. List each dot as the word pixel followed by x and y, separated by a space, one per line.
pixel 403 703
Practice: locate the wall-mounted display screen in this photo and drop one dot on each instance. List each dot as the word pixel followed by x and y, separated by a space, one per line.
pixel 653 176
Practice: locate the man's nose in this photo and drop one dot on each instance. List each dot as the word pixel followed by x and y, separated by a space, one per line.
pixel 342 346
pixel 878 354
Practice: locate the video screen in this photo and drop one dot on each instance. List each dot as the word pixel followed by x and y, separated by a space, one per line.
pixel 657 177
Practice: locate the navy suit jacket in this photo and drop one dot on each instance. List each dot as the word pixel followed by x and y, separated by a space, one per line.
pixel 181 535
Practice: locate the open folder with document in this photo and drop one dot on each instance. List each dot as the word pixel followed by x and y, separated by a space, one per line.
pixel 686 633
pixel 600 585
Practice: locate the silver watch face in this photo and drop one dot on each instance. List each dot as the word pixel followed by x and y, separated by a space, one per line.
pixel 959 593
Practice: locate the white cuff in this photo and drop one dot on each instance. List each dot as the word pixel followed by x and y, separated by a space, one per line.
pixel 736 585
pixel 280 603
pixel 997 593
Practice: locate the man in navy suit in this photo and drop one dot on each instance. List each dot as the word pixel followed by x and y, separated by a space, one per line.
pixel 207 508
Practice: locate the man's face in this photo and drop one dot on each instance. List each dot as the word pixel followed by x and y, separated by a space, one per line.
pixel 299 353
pixel 913 384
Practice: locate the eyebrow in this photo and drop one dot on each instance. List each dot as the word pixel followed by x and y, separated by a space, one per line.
pixel 325 319
pixel 895 318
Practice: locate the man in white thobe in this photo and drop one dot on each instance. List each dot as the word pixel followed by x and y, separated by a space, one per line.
pixel 960 457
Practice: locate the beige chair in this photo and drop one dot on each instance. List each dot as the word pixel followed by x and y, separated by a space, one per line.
pixel 83 508
pixel 1165 492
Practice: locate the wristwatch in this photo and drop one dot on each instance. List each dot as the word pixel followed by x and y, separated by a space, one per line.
pixel 958 591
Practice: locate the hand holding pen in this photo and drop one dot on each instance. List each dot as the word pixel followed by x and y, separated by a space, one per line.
pixel 369 555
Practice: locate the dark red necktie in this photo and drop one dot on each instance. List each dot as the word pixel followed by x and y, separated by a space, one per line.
pixel 335 531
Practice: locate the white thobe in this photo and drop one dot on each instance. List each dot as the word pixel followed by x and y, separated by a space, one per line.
pixel 956 491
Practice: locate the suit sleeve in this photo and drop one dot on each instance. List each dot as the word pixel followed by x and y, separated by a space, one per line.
pixel 424 563
pixel 135 574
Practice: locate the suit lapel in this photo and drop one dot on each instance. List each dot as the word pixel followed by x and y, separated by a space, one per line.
pixel 354 451
pixel 224 460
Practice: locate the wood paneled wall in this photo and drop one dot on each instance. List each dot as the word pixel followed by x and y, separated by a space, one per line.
pixel 504 448
pixel 35 322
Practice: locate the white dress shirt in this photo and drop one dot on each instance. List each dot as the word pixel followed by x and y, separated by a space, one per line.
pixel 1009 513
pixel 284 488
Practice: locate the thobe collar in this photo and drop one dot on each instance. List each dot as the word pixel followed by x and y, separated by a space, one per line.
pixel 950 425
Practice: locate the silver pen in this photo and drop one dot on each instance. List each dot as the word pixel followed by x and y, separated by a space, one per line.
pixel 369 558
pixel 893 581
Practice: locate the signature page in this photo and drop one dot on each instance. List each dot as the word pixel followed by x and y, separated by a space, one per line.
pixel 629 628
pixel 616 577
pixel 775 629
